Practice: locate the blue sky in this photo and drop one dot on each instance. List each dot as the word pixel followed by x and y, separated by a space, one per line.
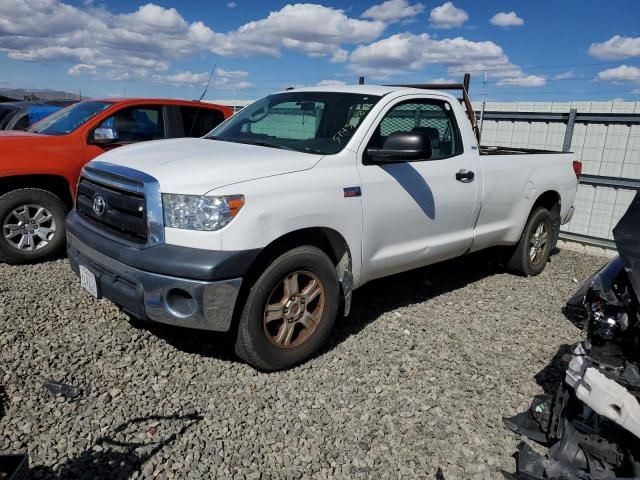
pixel 544 50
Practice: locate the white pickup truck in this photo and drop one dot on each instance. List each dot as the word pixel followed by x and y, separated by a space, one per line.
pixel 266 225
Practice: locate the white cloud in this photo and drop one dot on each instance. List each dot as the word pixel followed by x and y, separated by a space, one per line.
pixel 184 77
pixel 448 15
pixel 82 69
pixel 523 81
pixel 314 29
pixel 442 80
pixel 621 74
pixel 616 48
pixel 408 52
pixel 393 11
pixel 232 4
pixel 222 79
pixel 231 73
pixel 339 56
pixel 325 83
pixel 565 75
pixel 146 41
pixel 504 19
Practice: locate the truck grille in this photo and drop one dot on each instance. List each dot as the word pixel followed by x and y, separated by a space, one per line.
pixel 119 211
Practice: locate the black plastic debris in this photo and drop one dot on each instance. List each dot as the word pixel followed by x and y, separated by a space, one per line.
pixel 529 463
pixel 534 423
pixel 66 391
pixel 626 237
pixel 14 467
pixel 590 426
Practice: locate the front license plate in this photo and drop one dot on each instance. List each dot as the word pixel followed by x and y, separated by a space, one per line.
pixel 88 281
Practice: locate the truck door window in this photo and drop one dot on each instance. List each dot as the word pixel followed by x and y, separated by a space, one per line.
pixel 197 122
pixel 433 117
pixel 137 124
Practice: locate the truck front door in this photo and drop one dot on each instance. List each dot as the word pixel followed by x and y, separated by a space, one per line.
pixel 417 213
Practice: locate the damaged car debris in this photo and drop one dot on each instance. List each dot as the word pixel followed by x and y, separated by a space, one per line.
pixel 592 423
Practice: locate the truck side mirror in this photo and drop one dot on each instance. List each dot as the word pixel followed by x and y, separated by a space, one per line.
pixel 103 136
pixel 402 147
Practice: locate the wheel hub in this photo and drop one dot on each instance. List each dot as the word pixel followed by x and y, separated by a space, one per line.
pixel 293 309
pixel 29 227
pixel 538 243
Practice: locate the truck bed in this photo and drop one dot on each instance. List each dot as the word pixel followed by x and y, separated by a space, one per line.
pixel 497 150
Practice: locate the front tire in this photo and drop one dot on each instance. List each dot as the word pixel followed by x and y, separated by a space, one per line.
pixel 289 311
pixel 32 223
pixel 532 252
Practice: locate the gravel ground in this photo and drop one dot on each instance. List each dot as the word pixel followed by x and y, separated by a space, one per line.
pixel 417 378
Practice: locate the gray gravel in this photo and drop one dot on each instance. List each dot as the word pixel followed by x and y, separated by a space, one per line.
pixel 418 378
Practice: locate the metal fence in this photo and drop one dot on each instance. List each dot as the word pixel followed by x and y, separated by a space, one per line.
pixel 605 136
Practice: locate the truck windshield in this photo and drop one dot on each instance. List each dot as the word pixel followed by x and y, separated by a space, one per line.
pixel 309 122
pixel 69 119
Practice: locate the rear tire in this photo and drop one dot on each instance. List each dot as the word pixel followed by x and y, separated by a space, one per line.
pixel 534 248
pixel 289 311
pixel 32 222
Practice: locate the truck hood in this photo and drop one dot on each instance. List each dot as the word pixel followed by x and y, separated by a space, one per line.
pixel 196 166
pixel 22 152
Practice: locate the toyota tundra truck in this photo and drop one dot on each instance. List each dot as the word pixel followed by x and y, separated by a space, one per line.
pixel 266 225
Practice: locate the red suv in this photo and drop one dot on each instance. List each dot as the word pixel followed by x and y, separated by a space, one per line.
pixel 39 168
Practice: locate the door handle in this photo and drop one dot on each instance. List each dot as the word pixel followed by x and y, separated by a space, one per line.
pixel 465 176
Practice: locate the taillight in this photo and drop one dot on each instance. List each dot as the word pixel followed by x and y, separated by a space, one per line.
pixel 577 168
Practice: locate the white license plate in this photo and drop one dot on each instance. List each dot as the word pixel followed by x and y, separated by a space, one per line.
pixel 88 281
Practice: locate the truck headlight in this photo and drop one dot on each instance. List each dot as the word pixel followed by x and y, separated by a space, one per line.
pixel 199 212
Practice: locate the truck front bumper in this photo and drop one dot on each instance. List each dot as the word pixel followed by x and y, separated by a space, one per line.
pixel 185 302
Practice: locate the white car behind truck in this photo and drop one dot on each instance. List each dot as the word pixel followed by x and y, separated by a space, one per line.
pixel 266 225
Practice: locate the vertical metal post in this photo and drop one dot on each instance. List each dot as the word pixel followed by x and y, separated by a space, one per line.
pixel 361 81
pixel 234 97
pixel 484 98
pixel 568 133
pixel 467 81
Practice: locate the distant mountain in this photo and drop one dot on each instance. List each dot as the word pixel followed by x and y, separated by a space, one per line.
pixel 38 94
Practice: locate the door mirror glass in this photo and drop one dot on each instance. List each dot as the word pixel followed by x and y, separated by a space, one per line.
pixel 402 147
pixel 104 135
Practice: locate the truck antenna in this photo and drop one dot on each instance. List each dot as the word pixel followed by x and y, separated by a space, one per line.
pixel 213 70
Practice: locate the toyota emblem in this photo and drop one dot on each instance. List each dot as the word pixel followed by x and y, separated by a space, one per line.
pixel 99 205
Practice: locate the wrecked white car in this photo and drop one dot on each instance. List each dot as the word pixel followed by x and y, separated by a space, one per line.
pixel 592 423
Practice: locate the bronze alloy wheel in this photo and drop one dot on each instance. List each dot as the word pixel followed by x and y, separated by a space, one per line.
pixel 538 244
pixel 294 309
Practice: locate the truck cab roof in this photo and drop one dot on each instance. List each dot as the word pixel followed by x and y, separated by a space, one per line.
pixel 379 90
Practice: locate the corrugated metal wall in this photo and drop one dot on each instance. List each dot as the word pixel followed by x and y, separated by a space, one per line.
pixel 608 150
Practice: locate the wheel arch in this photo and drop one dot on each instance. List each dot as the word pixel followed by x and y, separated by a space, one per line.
pixel 56 184
pixel 330 241
pixel 548 200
